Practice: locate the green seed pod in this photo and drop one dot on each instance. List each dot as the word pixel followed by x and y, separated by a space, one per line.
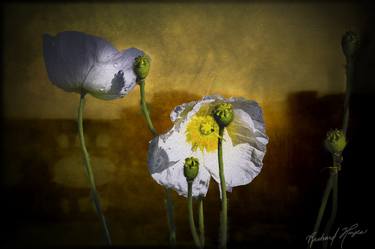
pixel 335 141
pixel 350 44
pixel 141 66
pixel 191 168
pixel 223 114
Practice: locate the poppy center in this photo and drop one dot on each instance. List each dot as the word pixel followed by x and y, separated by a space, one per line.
pixel 202 133
pixel 206 128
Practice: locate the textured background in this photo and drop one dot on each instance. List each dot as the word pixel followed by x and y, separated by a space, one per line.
pixel 284 55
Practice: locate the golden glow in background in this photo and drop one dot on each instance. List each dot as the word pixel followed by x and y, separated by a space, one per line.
pixel 258 51
pixel 279 54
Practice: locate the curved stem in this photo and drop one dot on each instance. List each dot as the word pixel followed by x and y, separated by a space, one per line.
pixel 201 221
pixel 89 172
pixel 224 205
pixel 168 198
pixel 145 109
pixel 191 216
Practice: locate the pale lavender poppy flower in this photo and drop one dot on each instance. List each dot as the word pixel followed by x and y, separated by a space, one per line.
pixel 82 63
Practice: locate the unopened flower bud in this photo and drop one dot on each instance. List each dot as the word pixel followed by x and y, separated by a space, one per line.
pixel 335 141
pixel 191 168
pixel 350 44
pixel 223 114
pixel 142 66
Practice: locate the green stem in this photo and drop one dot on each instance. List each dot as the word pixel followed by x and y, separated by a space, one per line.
pixel 201 221
pixel 170 218
pixel 323 204
pixel 145 109
pixel 337 158
pixel 224 205
pixel 349 79
pixel 168 197
pixel 332 183
pixel 191 215
pixel 331 220
pixel 89 172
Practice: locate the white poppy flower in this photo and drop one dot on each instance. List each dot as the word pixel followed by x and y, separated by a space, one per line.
pixel 79 62
pixel 195 133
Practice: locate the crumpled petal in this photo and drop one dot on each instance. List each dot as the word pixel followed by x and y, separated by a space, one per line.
pixel 76 61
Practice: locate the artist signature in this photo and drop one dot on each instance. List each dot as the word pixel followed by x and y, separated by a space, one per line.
pixel 340 234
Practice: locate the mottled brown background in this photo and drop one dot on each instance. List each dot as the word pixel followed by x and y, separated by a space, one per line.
pixel 285 55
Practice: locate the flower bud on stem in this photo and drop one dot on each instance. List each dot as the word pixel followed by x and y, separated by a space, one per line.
pixel 191 215
pixel 335 142
pixel 191 170
pixel 336 139
pixel 350 45
pixel 223 114
pixel 141 68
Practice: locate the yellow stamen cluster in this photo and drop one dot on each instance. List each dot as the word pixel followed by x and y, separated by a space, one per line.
pixel 202 133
